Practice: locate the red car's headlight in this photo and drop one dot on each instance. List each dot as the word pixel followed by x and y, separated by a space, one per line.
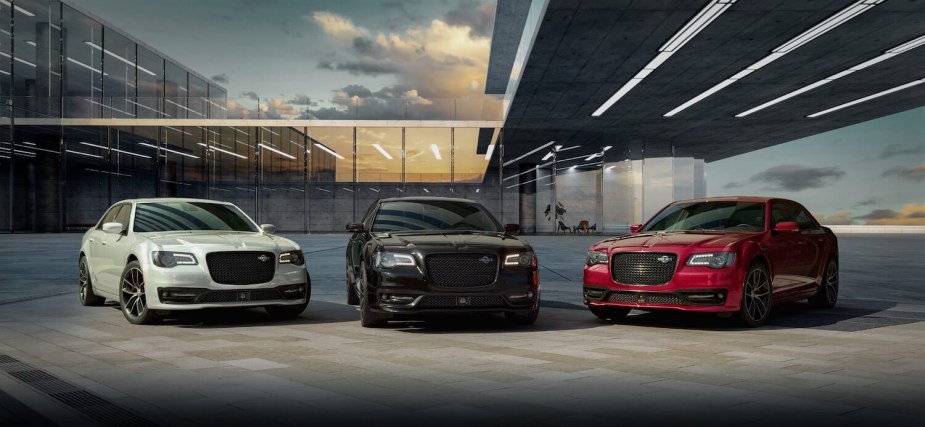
pixel 712 259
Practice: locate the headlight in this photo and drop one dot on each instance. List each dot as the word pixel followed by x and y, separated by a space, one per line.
pixel 522 259
pixel 596 257
pixel 169 259
pixel 292 257
pixel 712 260
pixel 393 259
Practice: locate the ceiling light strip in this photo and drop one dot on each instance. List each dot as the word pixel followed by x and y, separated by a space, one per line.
pixel 223 151
pixel 817 30
pixel 262 145
pixel 489 151
pixel 169 150
pixel 436 150
pixel 382 151
pixel 328 150
pixel 510 162
pixel 905 47
pixel 868 98
pixel 707 15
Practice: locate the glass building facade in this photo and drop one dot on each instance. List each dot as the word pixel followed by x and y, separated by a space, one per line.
pixel 90 116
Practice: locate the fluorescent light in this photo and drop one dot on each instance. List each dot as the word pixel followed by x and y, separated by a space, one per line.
pixel 322 189
pixel 223 151
pixel 607 148
pixel 18 9
pixel 114 55
pixel 433 147
pixel 592 157
pixel 548 155
pixel 559 148
pixel 268 130
pixel 262 145
pixel 31 43
pixel 382 151
pixel 905 47
pixel 187 109
pixel 4 72
pixel 375 190
pixel 107 106
pixel 489 151
pixel 817 30
pixel 426 191
pixel 509 162
pixel 868 98
pixel 705 17
pixel 83 65
pixel 328 150
pixel 115 149
pixel 178 130
pixel 169 150
pixel 17 59
pixel 84 154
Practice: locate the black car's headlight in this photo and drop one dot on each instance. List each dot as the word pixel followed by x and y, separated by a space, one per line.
pixel 596 257
pixel 522 259
pixel 168 259
pixel 712 259
pixel 394 259
pixel 292 257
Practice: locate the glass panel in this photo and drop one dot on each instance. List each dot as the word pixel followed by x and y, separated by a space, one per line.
pixel 470 164
pixel 657 183
pixel 183 169
pixel 86 177
pixel 683 178
pixel 282 192
pixel 82 68
pixel 37 65
pixel 579 198
pixel 149 84
pixel 618 197
pixel 332 194
pixel 6 89
pixel 119 77
pixel 379 155
pixel 198 92
pixel 176 92
pixel 132 166
pixel 427 157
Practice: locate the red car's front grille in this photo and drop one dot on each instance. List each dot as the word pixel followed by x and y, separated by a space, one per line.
pixel 643 268
pixel 645 297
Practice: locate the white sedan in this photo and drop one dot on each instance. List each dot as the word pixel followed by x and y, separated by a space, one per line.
pixel 154 256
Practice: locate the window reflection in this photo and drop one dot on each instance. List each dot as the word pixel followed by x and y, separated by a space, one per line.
pixel 427 155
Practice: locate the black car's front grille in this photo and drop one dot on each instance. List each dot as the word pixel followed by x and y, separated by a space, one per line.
pixel 461 301
pixel 645 297
pixel 232 296
pixel 642 268
pixel 461 270
pixel 241 268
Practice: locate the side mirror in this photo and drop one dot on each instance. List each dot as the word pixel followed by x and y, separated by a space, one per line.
pixel 356 227
pixel 787 227
pixel 112 228
pixel 635 228
pixel 268 228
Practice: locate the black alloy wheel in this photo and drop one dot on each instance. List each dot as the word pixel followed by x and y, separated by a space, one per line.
pixel 352 297
pixel 523 319
pixel 85 286
pixel 369 318
pixel 132 297
pixel 756 296
pixel 827 295
pixel 284 312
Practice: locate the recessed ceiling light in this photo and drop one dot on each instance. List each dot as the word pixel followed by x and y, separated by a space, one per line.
pixel 510 162
pixel 868 98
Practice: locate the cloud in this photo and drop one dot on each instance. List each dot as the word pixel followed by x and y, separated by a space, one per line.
pixel 837 218
pixel 439 59
pixel 302 99
pixel 868 202
pixel 220 78
pixel 478 16
pixel 733 185
pixel 797 177
pixel 911 214
pixel 352 100
pixel 251 95
pixel 895 150
pixel 914 174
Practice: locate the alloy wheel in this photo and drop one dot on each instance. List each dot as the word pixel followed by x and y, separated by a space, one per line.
pixel 133 293
pixel 84 277
pixel 757 295
pixel 831 283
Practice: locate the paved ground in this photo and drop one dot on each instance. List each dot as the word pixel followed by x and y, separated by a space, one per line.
pixel 861 363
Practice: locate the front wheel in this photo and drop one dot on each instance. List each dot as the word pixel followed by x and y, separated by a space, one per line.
pixel 368 317
pixel 756 296
pixel 85 286
pixel 828 292
pixel 132 297
pixel 286 311
pixel 523 319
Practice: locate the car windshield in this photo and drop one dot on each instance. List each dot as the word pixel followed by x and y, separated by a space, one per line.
pixel 725 215
pixel 190 216
pixel 433 215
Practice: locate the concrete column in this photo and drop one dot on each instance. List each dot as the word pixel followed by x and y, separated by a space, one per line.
pixel 527 191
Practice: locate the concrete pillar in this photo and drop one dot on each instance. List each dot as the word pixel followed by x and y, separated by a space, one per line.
pixel 527 191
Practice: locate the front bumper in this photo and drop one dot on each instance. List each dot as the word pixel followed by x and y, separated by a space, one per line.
pixel 192 288
pixel 698 289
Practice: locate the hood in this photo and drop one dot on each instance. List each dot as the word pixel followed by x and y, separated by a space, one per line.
pixel 459 240
pixel 700 239
pixel 220 241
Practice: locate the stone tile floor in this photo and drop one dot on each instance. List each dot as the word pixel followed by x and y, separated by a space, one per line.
pixel 862 363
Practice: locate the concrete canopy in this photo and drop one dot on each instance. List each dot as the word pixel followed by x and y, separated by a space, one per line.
pixel 585 50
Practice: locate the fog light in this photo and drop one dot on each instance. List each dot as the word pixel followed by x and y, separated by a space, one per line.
pixel 593 293
pixel 526 295
pixel 396 299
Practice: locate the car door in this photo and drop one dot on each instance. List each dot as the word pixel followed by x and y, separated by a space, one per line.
pixel 810 251
pixel 114 250
pixel 358 240
pixel 95 247
pixel 787 251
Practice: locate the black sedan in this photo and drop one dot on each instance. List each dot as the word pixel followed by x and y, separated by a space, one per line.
pixel 420 255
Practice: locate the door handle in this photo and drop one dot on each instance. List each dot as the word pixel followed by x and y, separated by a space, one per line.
pixel 104 243
pixel 801 242
pixel 91 240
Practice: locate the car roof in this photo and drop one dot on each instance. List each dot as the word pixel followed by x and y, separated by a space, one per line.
pixel 755 199
pixel 426 198
pixel 172 199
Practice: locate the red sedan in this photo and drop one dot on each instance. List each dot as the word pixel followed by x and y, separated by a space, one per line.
pixel 736 255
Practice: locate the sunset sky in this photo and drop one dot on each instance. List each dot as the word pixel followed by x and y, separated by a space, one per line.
pixel 309 59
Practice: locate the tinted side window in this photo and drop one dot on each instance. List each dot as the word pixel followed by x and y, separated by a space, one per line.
pixel 110 216
pixel 804 218
pixel 123 216
pixel 781 212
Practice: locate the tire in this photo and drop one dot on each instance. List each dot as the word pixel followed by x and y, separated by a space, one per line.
pixel 756 297
pixel 609 313
pixel 352 297
pixel 369 318
pixel 132 297
pixel 523 319
pixel 85 286
pixel 827 295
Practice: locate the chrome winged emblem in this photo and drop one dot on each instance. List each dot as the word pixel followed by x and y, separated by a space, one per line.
pixel 664 259
pixel 263 258
pixel 486 259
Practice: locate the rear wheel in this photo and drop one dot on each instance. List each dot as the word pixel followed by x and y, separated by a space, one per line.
pixel 352 297
pixel 368 317
pixel 609 313
pixel 523 319
pixel 85 286
pixel 828 292
pixel 756 296
pixel 132 297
